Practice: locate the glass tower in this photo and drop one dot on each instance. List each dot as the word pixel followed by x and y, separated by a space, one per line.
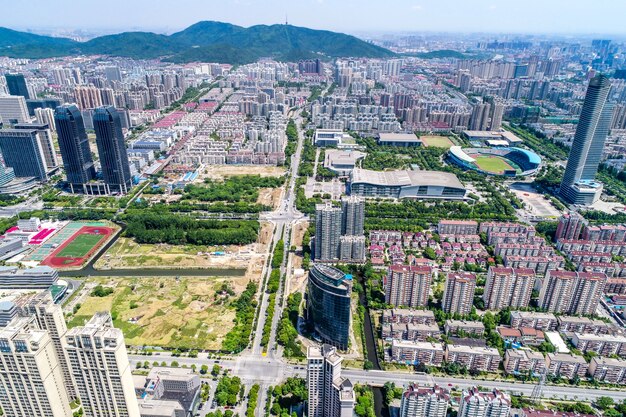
pixel 111 149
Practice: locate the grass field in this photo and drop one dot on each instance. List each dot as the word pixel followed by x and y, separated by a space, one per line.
pixel 188 312
pixel 437 141
pixel 80 246
pixel 492 164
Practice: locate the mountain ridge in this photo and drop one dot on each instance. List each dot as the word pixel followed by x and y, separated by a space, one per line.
pixel 208 41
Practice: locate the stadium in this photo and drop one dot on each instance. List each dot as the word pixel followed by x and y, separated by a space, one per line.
pixel 508 162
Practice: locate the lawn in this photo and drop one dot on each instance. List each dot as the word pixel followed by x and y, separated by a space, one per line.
pixel 80 246
pixel 437 141
pixel 178 313
pixel 492 164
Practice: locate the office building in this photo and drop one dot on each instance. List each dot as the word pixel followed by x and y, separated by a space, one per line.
pixel 408 285
pixel 330 395
pixel 568 292
pixel 113 73
pixel 74 146
pixel 328 304
pixel 41 277
pixel 458 295
pixel 508 287
pixel 31 379
pixel 21 150
pixel 570 226
pixel 484 404
pixel 111 149
pixel 100 368
pixel 13 109
pixel 45 142
pixel 353 215
pixel 327 232
pixel 579 185
pixel 49 317
pixel 16 84
pixel 424 401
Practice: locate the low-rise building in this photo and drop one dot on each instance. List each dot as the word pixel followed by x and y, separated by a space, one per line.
pixel 539 321
pixel 603 345
pixel 576 324
pixel 566 365
pixel 473 357
pixel 464 327
pixel 430 354
pixel 406 315
pixel 612 371
pixel 410 331
pixel 520 361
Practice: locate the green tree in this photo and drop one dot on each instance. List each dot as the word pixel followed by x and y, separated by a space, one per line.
pixel 604 402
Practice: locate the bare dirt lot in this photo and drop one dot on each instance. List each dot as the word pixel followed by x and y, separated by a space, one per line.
pixel 218 172
pixel 270 197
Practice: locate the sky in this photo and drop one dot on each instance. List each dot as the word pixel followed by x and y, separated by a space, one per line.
pixel 167 16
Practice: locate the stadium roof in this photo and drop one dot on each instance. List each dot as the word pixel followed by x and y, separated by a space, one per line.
pixel 460 154
pixel 398 137
pixel 406 178
pixel 532 157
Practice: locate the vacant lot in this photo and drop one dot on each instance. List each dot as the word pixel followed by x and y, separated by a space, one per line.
pixel 492 164
pixel 219 172
pixel 437 141
pixel 192 313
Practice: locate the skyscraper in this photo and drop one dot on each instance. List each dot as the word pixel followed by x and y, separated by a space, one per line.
pixel 22 151
pixel 424 402
pixel 45 141
pixel 16 83
pixel 327 232
pixel 570 226
pixel 100 368
pixel 111 149
pixel 579 185
pixel 328 304
pixel 13 109
pixel 330 395
pixel 458 296
pixel 74 146
pixel 31 380
pixel 45 116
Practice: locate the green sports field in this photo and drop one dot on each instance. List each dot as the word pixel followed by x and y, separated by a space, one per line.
pixel 436 141
pixel 80 246
pixel 492 164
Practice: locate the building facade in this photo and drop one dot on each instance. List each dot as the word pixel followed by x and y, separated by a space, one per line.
pixel 111 149
pixel 407 285
pixel 330 395
pixel 458 295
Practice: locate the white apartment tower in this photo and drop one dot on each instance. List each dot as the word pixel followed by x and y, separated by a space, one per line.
pixel 100 368
pixel 31 380
pixel 424 402
pixel 330 395
pixel 484 404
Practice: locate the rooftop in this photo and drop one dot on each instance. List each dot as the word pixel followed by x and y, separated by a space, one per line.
pixel 406 178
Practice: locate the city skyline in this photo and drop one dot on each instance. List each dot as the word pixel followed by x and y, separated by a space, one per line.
pixel 447 16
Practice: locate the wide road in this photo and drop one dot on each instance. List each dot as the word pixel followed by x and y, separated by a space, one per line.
pixel 268 371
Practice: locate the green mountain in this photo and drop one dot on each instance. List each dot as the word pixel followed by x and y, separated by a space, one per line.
pixel 204 41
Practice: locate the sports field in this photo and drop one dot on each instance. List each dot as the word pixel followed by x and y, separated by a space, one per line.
pixel 437 141
pixel 492 164
pixel 76 250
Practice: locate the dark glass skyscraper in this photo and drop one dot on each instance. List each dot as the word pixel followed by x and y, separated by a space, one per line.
pixel 579 185
pixel 74 146
pixel 328 304
pixel 111 149
pixel 21 150
pixel 16 83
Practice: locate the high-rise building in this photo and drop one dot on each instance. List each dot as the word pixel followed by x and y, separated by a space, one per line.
pixel 16 84
pixel 87 97
pixel 424 402
pixel 45 116
pixel 74 146
pixel 576 293
pixel 13 109
pixel 330 395
pixel 45 141
pixel 408 285
pixel 31 380
pixel 495 117
pixel 508 287
pixel 49 317
pixel 479 120
pixel 458 295
pixel 328 304
pixel 570 226
pixel 327 232
pixel 22 151
pixel 113 73
pixel 578 185
pixel 111 149
pixel 484 404
pixel 100 369
pixel 353 215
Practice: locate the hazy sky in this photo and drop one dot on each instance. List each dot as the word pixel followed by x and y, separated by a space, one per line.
pixel 521 16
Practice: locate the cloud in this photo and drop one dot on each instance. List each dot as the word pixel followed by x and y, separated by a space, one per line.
pixel 416 7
